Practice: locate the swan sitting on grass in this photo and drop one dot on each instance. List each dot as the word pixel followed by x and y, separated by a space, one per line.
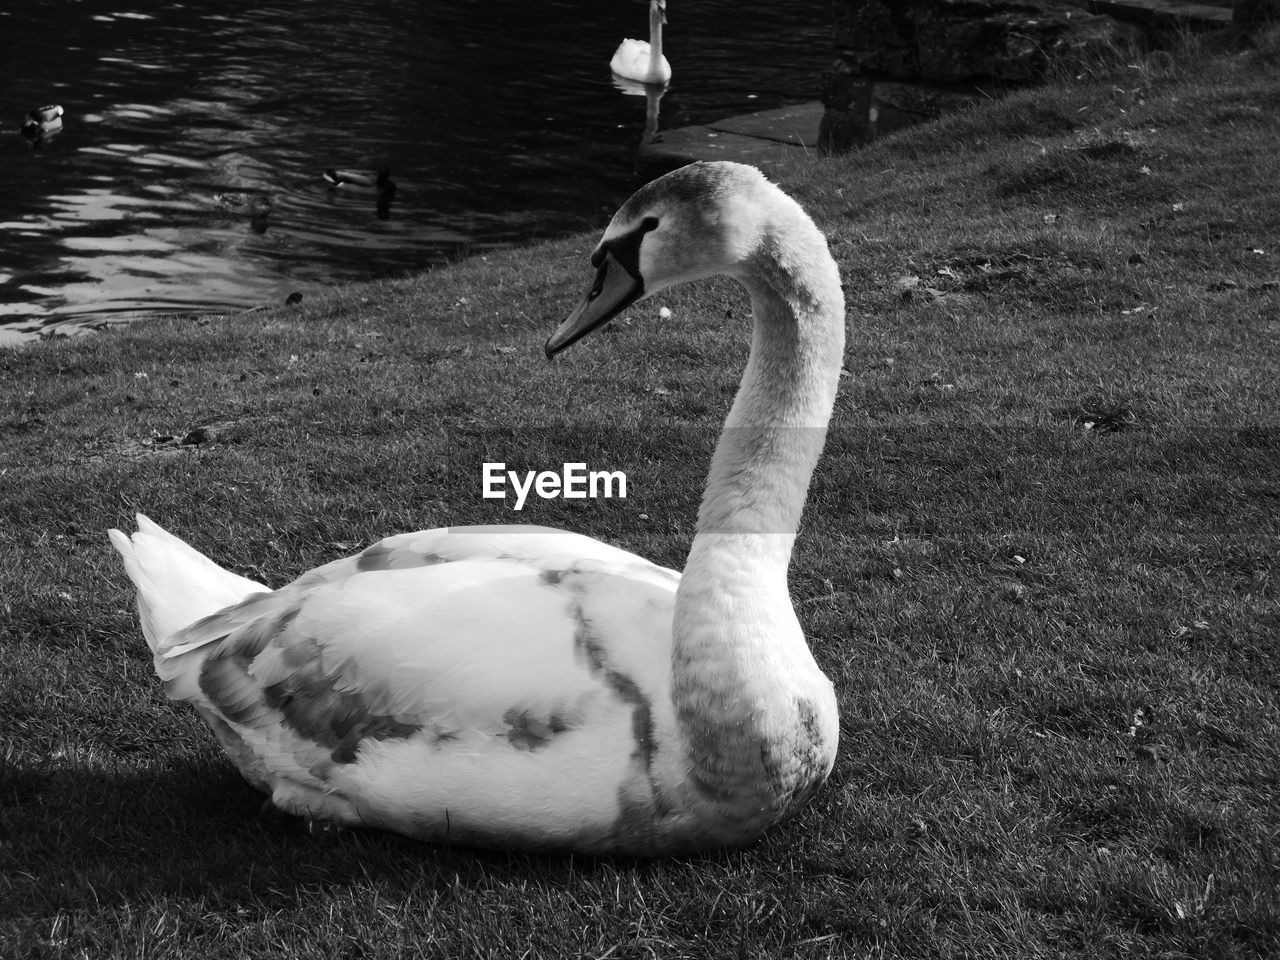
pixel 644 62
pixel 523 687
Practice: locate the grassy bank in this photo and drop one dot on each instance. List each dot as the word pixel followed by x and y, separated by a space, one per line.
pixel 1038 562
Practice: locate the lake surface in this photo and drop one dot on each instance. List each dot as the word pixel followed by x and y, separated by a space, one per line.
pixel 187 175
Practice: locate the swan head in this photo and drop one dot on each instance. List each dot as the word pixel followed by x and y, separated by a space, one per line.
pixel 699 221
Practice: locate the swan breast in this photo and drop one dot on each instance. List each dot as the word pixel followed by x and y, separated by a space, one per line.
pixel 632 60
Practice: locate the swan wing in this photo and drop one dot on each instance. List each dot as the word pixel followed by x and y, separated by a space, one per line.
pixel 515 695
pixel 544 550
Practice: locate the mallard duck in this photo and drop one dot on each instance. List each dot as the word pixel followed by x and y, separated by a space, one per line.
pixel 42 121
pixel 244 202
pixel 360 180
pixel 525 687
pixel 640 61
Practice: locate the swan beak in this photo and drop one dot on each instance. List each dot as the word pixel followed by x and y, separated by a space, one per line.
pixel 613 290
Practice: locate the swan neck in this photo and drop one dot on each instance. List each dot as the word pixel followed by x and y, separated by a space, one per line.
pixel 758 716
pixel 655 35
pixel 777 426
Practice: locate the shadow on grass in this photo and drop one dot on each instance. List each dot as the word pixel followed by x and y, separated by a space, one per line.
pixel 76 838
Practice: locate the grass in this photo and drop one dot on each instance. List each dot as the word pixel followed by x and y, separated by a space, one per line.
pixel 1038 563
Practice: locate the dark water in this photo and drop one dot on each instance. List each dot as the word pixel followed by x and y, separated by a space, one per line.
pixel 188 172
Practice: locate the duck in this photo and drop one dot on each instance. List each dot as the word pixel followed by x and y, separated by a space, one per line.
pixel 361 181
pixel 524 687
pixel 42 122
pixel 644 62
pixel 245 202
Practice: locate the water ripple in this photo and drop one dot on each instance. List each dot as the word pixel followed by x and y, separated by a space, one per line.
pixel 187 174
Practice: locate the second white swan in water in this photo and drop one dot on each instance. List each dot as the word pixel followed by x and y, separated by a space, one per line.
pixel 640 61
pixel 526 687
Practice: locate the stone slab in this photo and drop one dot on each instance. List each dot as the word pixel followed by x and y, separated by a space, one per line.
pixel 763 138
pixel 796 125
pixel 702 143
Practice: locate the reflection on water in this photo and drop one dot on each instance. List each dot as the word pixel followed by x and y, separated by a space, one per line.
pixel 188 173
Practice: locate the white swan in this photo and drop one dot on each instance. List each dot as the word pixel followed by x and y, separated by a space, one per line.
pixel 640 61
pixel 526 687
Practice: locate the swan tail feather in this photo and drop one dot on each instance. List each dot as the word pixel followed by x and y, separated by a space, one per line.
pixel 176 584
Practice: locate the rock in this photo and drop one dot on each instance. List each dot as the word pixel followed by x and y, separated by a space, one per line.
pixel 970 41
pixel 900 61
pixel 1251 17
